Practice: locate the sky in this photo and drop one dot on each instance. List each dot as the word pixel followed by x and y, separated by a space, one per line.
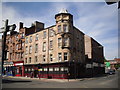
pixel 95 19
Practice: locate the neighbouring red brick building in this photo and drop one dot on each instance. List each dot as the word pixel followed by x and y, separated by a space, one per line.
pixel 117 60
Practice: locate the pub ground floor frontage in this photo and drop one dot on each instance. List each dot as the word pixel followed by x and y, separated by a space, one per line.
pixel 61 70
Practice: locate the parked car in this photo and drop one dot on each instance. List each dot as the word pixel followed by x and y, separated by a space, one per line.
pixel 111 72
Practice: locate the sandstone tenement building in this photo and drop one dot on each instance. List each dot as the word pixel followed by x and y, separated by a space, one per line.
pixel 58 51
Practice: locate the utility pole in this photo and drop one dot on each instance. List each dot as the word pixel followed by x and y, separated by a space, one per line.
pixel 4 43
pixel 6 28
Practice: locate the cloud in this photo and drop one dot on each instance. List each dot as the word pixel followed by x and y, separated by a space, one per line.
pixel 96 20
pixel 14 17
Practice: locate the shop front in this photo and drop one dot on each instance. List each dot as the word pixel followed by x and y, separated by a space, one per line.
pixel 19 68
pixel 8 68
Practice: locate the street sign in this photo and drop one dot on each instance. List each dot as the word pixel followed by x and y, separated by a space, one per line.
pixel 107 64
pixel 95 64
pixel 88 65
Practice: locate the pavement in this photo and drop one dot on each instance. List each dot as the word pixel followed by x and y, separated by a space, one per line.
pixel 50 80
pixel 45 79
pixel 105 81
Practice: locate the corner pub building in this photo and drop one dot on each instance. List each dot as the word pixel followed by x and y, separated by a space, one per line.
pixel 57 51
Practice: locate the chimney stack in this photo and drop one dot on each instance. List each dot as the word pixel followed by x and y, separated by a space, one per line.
pixel 20 25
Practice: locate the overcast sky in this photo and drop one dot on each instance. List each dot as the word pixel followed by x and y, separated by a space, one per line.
pixel 95 19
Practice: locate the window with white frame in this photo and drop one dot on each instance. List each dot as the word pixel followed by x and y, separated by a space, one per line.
pixel 36 59
pixel 44 58
pixel 10 40
pixel 45 69
pixel 17 70
pixel 51 57
pixel 51 44
pixel 44 34
pixel 22 55
pixel 26 40
pixel 23 45
pixel 30 39
pixel 66 69
pixel 29 59
pixel 36 48
pixel 32 69
pixel 29 69
pixel 36 38
pixel 66 41
pixel 50 69
pixel 65 28
pixel 65 56
pixel 61 68
pixel 17 47
pixel 25 60
pixel 60 56
pixel 16 37
pixel 30 49
pixel 11 48
pixel 26 49
pixel 51 32
pixel 22 35
pixel 59 28
pixel 59 42
pixel 44 46
pixel 26 69
pixel 17 55
pixel 56 68
pixel 10 56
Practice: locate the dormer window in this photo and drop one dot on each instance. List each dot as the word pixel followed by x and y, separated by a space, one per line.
pixel 59 28
pixel 66 41
pixel 65 28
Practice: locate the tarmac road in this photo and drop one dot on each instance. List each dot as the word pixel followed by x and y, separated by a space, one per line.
pixel 110 81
